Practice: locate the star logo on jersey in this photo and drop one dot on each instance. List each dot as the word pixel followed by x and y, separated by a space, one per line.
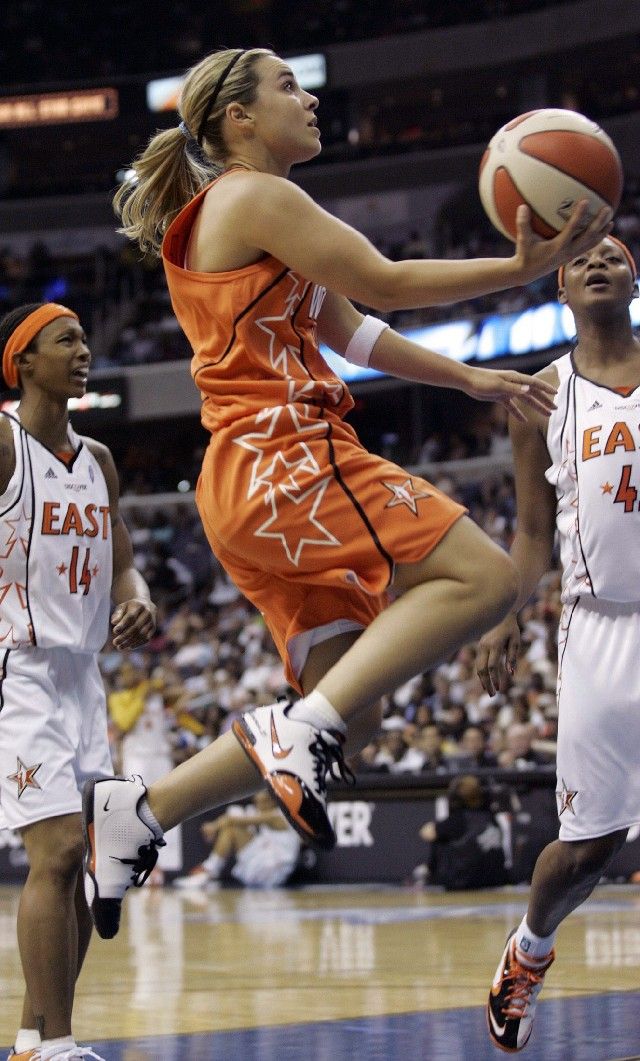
pixel 405 494
pixel 566 797
pixel 293 536
pixel 25 776
pixel 17 532
pixel 280 354
pixel 606 488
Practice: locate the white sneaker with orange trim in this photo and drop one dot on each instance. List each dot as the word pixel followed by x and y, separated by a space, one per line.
pixel 294 759
pixel 513 997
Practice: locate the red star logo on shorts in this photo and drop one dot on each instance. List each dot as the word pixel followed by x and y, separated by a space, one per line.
pixel 566 797
pixel 25 776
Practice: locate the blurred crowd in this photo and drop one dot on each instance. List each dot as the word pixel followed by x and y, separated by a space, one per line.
pixel 116 282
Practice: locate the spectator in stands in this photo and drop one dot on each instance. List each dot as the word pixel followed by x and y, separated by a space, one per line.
pixel 518 752
pixel 246 119
pixel 473 751
pixel 137 708
pixel 254 845
pixel 466 848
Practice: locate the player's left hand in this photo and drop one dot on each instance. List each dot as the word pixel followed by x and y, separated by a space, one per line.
pixel 511 389
pixel 133 623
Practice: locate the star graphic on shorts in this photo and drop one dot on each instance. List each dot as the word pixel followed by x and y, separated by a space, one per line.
pixel 61 568
pixel 281 525
pixel 25 776
pixel 405 494
pixel 566 797
pixel 606 488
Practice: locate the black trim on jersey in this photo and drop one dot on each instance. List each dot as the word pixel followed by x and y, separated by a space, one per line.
pixel 265 291
pixel 594 383
pixel 68 465
pixel 312 400
pixel 3 674
pixel 564 647
pixel 575 449
pixel 33 509
pixel 358 507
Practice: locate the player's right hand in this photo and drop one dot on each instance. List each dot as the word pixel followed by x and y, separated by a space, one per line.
pixel 536 256
pixel 497 655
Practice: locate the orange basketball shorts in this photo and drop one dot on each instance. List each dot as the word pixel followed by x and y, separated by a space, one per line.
pixel 310 526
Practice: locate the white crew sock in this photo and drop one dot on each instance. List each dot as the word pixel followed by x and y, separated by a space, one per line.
pixel 50 1047
pixel 317 711
pixel 148 817
pixel 26 1039
pixel 531 947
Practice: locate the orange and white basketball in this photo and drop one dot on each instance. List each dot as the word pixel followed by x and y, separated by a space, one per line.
pixel 548 159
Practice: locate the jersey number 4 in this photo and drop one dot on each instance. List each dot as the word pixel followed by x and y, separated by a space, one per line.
pixel 626 494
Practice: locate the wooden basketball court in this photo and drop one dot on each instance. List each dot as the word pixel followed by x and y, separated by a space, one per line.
pixel 339 973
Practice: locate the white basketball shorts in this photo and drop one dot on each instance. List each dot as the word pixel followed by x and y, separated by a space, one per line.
pixel 598 762
pixel 53 733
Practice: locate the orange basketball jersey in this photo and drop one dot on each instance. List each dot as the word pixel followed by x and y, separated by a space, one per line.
pixel 252 330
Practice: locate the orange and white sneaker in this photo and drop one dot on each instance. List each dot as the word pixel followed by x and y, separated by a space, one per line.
pixel 24 1055
pixel 513 997
pixel 294 758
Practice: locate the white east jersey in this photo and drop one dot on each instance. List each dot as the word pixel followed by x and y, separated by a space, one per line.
pixel 55 548
pixel 593 438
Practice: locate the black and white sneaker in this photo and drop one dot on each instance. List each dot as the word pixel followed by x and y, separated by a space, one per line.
pixel 513 997
pixel 119 849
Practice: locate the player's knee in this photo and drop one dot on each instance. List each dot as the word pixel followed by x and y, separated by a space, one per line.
pixel 62 860
pixel 590 858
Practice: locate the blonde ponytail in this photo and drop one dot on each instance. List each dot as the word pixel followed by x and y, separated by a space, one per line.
pixel 173 167
pixel 165 177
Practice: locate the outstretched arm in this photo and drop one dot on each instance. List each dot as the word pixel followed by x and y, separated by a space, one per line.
pixel 531 549
pixel 394 354
pixel 269 213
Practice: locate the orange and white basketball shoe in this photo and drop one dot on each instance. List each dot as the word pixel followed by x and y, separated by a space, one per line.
pixel 513 997
pixel 294 758
pixel 120 850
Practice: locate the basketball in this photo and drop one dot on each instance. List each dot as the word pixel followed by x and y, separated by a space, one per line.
pixel 548 159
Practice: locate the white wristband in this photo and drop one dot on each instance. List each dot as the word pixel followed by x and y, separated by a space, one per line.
pixel 363 341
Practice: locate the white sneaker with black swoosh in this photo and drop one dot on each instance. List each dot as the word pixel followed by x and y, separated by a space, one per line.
pixel 119 849
pixel 294 759
pixel 513 997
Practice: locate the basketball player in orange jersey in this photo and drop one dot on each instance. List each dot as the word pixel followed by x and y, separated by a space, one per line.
pixel 310 526
pixel 64 555
pixel 578 474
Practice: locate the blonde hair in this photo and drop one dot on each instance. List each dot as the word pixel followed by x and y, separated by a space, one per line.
pixel 174 167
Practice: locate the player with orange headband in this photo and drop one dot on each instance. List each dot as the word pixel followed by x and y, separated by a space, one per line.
pixel 578 476
pixel 65 555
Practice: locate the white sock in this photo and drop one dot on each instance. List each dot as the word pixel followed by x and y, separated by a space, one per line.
pixel 317 711
pixel 56 1046
pixel 148 817
pixel 214 864
pixel 26 1039
pixel 532 946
